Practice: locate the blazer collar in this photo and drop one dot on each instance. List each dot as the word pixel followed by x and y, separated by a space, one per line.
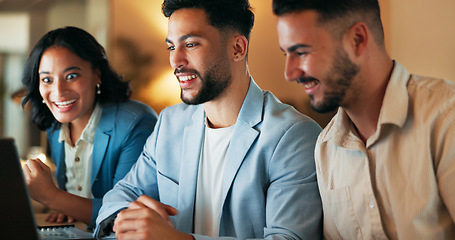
pixel 102 137
pixel 244 134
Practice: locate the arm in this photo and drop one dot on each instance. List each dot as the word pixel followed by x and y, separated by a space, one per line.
pixel 147 218
pixel 294 209
pixel 140 178
pixel 445 159
pixel 131 148
pixel 38 177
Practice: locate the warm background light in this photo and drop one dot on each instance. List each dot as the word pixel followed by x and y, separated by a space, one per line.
pixel 418 34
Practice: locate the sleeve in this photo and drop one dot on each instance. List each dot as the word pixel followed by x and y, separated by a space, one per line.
pixel 294 208
pixel 140 180
pixel 445 159
pixel 293 204
pixel 131 149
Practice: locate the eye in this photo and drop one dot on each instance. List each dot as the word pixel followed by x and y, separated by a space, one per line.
pixel 190 45
pixel 301 53
pixel 72 76
pixel 170 48
pixel 46 80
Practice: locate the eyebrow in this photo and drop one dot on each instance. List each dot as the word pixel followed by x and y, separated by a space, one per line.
pixel 295 47
pixel 184 37
pixel 66 70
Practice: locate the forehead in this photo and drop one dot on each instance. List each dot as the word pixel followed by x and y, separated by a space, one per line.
pixel 60 56
pixel 190 22
pixel 301 28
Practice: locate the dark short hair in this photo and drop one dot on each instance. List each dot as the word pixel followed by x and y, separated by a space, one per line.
pixel 223 14
pixel 84 45
pixel 341 13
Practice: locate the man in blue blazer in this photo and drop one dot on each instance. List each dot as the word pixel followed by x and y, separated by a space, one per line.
pixel 232 160
pixel 119 138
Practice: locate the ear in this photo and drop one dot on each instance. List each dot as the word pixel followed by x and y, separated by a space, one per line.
pixel 240 47
pixel 358 37
pixel 98 75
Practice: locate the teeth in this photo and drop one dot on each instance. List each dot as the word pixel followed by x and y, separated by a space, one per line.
pixel 65 103
pixel 310 84
pixel 186 78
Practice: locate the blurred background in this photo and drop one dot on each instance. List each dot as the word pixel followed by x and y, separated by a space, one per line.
pixel 419 34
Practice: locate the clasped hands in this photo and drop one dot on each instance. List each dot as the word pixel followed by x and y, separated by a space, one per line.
pixel 148 219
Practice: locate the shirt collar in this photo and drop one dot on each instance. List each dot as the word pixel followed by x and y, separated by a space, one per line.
pixel 88 134
pixel 394 110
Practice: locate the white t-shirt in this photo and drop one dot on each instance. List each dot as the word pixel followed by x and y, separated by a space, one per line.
pixel 210 180
pixel 78 158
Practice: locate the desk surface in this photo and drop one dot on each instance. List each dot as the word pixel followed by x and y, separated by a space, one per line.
pixel 40 221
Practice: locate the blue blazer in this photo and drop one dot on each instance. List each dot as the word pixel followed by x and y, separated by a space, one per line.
pixel 119 139
pixel 269 183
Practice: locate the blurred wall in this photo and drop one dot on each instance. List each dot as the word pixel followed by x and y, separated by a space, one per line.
pixel 418 34
pixel 422 36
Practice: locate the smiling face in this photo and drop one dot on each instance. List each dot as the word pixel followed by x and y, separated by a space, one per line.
pixel 316 60
pixel 198 55
pixel 67 85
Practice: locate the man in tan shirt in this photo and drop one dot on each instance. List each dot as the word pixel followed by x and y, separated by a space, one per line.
pixel 386 162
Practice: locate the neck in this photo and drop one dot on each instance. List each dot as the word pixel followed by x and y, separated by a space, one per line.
pixel 364 111
pixel 77 126
pixel 75 132
pixel 223 111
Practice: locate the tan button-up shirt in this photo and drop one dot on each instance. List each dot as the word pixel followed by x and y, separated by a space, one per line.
pixel 400 184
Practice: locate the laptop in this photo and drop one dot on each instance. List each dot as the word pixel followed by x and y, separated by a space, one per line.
pixel 17 220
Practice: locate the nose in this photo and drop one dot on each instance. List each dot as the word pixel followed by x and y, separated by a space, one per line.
pixel 60 87
pixel 177 58
pixel 292 69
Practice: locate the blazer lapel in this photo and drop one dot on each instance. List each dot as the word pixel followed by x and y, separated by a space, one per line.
pixel 102 138
pixel 59 159
pixel 244 135
pixel 192 140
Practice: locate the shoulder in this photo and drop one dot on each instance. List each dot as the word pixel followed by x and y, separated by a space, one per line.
pixel 286 115
pixel 128 110
pixel 182 111
pixel 431 94
pixel 135 108
pixel 427 85
pixel 127 115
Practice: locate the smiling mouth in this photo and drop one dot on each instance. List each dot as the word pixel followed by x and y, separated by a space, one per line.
pixel 308 83
pixel 311 84
pixel 186 78
pixel 65 104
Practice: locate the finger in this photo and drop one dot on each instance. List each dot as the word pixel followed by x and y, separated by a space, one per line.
pixel 51 217
pixel 131 235
pixel 125 221
pixel 41 164
pixel 61 218
pixel 33 166
pixel 70 219
pixel 27 173
pixel 155 205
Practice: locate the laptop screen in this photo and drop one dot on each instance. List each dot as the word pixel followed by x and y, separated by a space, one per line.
pixel 17 220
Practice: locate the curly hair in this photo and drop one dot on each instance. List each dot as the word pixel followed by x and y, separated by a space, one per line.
pixel 84 45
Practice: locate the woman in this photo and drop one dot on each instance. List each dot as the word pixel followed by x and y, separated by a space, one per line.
pixel 95 132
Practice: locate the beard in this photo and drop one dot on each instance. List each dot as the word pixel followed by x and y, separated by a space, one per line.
pixel 215 80
pixel 339 80
pixel 212 87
